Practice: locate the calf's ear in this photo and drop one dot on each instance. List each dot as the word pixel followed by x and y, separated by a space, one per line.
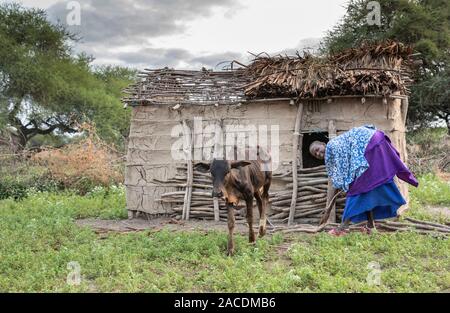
pixel 202 167
pixel 239 164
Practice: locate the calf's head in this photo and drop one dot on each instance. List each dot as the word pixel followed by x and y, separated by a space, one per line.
pixel 221 174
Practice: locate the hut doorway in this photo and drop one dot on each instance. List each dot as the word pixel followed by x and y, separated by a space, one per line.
pixel 308 138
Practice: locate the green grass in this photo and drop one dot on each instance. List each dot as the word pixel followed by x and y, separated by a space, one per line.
pixel 38 238
pixel 432 191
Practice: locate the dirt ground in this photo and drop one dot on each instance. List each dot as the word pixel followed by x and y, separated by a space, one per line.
pixel 140 224
pixel 156 224
pixel 439 210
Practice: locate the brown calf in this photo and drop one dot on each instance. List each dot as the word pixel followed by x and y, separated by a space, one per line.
pixel 240 180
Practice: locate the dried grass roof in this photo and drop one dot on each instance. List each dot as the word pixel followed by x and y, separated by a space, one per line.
pixel 372 69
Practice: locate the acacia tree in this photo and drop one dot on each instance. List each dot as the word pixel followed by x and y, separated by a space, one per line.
pixel 431 99
pixel 421 23
pixel 115 124
pixel 44 88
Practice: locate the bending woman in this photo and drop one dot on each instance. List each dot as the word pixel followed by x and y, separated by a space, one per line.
pixel 363 162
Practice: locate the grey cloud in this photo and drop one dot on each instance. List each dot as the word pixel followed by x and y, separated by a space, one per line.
pixel 232 10
pixel 176 58
pixel 154 57
pixel 134 21
pixel 106 25
pixel 181 58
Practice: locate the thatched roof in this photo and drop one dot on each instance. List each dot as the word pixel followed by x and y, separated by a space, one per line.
pixel 377 69
pixel 172 87
pixel 370 69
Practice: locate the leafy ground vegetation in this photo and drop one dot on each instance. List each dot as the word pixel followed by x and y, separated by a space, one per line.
pixel 39 238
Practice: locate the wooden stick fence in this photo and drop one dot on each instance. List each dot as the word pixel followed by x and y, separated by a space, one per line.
pixel 201 204
pixel 311 197
pixel 311 210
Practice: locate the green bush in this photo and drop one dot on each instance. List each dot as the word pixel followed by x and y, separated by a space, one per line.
pixel 18 186
pixel 12 189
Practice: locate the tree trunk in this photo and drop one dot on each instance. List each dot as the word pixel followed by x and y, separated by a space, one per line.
pixel 17 138
pixel 17 142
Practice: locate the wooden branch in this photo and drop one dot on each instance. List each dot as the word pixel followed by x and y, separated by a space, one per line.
pixel 297 128
pixel 188 154
pixel 427 223
pixel 328 209
pixel 331 190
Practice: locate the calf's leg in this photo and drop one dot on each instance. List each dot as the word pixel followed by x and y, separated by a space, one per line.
pixel 251 233
pixel 262 214
pixel 265 202
pixel 231 222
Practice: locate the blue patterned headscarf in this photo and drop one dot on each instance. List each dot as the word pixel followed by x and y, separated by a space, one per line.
pixel 344 156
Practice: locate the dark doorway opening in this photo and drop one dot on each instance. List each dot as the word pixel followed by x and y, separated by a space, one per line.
pixel 308 139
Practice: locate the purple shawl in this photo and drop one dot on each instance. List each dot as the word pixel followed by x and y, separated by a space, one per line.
pixel 384 163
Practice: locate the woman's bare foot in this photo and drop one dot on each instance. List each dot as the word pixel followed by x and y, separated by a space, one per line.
pixel 338 232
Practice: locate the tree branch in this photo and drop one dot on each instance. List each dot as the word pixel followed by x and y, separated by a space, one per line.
pixel 50 129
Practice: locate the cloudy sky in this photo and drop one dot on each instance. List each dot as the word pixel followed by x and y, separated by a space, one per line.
pixel 192 33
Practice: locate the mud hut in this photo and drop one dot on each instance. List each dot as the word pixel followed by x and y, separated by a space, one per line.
pixel 305 98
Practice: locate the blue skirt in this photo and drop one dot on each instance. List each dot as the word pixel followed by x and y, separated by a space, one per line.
pixel 383 201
